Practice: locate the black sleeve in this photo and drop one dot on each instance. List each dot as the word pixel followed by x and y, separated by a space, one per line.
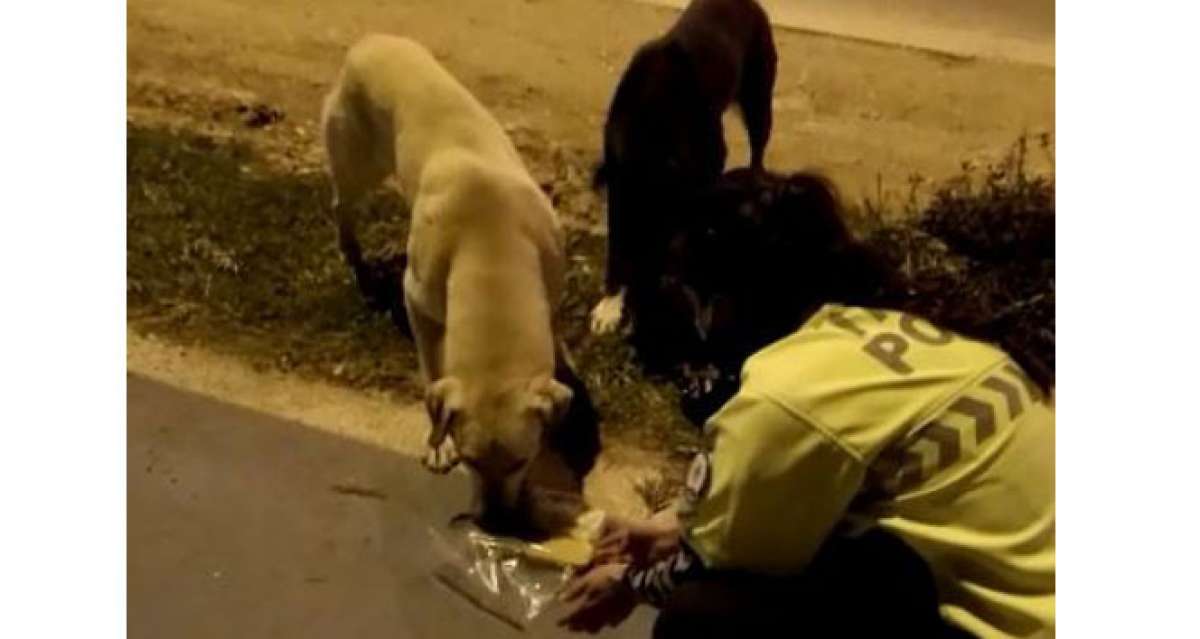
pixel 654 584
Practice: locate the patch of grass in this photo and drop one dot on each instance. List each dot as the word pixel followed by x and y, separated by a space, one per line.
pixel 643 411
pixel 980 254
pixel 223 252
pixel 229 251
pixel 226 251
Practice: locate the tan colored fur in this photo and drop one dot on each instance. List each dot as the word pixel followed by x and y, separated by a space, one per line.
pixel 486 261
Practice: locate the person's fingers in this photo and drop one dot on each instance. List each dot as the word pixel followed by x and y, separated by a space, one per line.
pixel 607 613
pixel 616 538
pixel 570 622
pixel 612 544
pixel 608 556
pixel 573 615
pixel 613 531
pixel 618 617
pixel 581 614
pixel 605 548
pixel 611 523
pixel 574 588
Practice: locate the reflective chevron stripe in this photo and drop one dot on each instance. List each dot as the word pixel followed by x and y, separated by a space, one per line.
pixel 983 414
pixel 1012 396
pixel 949 446
pixel 944 442
pixel 1031 389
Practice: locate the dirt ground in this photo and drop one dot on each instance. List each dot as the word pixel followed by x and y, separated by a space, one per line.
pixel 386 421
pixel 860 111
pixel 233 270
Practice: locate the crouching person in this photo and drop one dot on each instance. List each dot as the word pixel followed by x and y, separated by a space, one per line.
pixel 874 475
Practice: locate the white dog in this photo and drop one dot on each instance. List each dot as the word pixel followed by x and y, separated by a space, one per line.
pixel 486 256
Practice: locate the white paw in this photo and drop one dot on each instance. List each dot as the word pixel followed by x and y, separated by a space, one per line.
pixel 442 458
pixel 607 314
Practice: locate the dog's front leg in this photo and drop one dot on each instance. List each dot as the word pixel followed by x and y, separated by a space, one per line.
pixel 442 456
pixel 429 335
pixel 619 268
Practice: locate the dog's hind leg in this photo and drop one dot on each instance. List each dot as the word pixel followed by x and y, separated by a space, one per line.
pixel 429 336
pixel 354 170
pixel 755 94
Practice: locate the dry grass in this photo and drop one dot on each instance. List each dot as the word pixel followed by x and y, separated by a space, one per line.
pixel 980 253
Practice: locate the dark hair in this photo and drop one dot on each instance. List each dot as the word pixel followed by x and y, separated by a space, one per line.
pixel 796 224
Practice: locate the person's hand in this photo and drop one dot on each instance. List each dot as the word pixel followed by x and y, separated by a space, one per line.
pixel 624 541
pixel 603 599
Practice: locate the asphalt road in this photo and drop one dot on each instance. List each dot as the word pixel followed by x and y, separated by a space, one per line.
pixel 244 525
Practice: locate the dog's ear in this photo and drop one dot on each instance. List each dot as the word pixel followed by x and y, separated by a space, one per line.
pixel 549 399
pixel 443 401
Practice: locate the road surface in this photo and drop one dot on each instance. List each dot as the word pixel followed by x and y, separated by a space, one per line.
pixel 244 525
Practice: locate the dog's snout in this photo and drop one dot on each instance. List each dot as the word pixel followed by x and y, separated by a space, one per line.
pixel 494 461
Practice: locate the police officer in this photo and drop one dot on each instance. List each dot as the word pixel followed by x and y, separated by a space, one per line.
pixel 873 474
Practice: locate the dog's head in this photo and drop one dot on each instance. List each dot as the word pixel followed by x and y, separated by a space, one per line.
pixel 498 431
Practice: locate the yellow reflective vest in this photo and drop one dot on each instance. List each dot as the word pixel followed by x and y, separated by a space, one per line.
pixel 877 417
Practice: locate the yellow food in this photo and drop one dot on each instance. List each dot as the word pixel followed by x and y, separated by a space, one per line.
pixel 564 551
pixel 588 525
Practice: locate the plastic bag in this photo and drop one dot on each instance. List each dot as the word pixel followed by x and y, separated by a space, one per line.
pixel 511 579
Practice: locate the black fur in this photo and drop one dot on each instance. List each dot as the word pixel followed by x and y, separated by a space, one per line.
pixel 577 438
pixel 663 138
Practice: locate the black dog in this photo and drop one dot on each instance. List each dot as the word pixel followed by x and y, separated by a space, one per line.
pixel 663 138
pixel 758 254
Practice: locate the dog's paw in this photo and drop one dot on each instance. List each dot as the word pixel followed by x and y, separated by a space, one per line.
pixel 379 282
pixel 442 458
pixel 607 314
